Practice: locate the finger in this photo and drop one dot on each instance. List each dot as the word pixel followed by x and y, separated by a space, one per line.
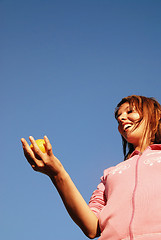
pixel 48 146
pixel 38 153
pixel 28 153
pixel 31 156
pixel 26 148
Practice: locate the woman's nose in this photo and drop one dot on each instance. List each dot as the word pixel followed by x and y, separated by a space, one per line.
pixel 122 118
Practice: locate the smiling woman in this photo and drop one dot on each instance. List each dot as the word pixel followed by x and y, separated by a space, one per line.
pixel 139 123
pixel 143 116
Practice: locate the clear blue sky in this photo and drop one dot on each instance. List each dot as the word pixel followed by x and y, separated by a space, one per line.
pixel 64 67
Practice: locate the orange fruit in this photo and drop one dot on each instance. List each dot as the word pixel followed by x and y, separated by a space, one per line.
pixel 40 144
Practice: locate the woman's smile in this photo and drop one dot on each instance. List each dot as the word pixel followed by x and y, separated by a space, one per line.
pixel 126 126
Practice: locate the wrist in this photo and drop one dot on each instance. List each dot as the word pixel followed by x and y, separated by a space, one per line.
pixel 59 177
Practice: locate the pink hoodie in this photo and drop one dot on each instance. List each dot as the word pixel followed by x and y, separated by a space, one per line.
pixel 128 199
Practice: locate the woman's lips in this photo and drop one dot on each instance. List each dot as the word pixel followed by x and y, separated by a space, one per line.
pixel 127 126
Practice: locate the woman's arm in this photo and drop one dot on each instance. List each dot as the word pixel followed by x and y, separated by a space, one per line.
pixel 76 206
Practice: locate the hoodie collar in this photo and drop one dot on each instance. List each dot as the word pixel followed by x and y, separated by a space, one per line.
pixel 152 147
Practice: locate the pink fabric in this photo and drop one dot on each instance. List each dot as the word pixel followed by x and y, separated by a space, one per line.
pixel 128 199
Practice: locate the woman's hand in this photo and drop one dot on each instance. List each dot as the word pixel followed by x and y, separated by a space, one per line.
pixel 46 162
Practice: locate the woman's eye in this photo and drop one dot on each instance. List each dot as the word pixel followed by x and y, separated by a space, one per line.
pixel 130 111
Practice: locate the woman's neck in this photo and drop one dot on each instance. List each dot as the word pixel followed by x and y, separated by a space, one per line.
pixel 143 146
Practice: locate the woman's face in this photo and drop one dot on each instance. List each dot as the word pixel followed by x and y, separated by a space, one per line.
pixel 127 119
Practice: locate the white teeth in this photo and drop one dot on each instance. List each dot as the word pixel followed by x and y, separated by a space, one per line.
pixel 127 126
